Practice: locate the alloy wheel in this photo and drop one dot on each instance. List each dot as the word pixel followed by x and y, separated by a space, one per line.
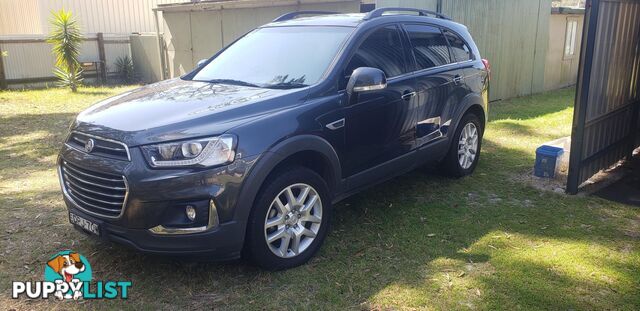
pixel 468 145
pixel 293 220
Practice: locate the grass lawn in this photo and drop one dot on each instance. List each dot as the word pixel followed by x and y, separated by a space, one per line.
pixel 420 241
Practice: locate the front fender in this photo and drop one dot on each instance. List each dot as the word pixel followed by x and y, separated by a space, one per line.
pixel 268 160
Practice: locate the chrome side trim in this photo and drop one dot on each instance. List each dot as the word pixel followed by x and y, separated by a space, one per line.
pixel 161 230
pixel 336 124
pixel 76 205
pixel 373 87
pixel 126 148
pixel 435 120
pixel 213 223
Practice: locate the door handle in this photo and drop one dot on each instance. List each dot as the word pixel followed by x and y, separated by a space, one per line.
pixel 457 79
pixel 407 95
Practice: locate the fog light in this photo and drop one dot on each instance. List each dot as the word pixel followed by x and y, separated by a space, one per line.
pixel 191 212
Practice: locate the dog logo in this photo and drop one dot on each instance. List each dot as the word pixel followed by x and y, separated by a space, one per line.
pixel 88 146
pixel 67 275
pixel 71 268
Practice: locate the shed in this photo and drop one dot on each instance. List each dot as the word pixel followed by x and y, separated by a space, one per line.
pixel 607 108
pixel 194 31
pixel 563 50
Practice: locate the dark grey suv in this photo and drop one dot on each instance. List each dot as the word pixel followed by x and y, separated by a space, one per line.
pixel 246 154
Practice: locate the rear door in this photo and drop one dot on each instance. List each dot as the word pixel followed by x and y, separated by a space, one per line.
pixel 463 71
pixel 466 67
pixel 434 78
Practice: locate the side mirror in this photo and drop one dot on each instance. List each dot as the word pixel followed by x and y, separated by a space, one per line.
pixel 201 63
pixel 366 79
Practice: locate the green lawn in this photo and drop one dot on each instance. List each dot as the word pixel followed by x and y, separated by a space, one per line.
pixel 420 241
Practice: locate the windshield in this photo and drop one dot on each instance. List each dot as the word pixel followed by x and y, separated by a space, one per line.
pixel 284 57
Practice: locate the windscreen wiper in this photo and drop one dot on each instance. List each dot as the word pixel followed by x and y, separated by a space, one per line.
pixel 286 85
pixel 233 82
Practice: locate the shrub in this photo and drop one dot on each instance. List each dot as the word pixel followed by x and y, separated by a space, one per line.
pixel 66 38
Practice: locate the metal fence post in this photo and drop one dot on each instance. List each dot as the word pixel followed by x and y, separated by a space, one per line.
pixel 103 58
pixel 3 78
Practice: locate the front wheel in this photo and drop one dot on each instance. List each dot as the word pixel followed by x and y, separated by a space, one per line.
pixel 464 153
pixel 290 219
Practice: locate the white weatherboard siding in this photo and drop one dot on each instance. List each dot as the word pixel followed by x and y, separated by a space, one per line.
pixel 19 17
pixel 108 16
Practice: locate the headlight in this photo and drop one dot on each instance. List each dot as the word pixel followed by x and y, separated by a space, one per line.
pixel 198 152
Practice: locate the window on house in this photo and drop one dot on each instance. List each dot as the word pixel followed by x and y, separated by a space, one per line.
pixel 570 40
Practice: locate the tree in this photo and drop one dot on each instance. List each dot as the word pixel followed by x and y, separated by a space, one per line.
pixel 66 38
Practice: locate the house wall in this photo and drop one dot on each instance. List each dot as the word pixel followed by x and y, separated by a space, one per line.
pixel 512 35
pixel 561 71
pixel 27 22
pixel 197 31
pixel 108 16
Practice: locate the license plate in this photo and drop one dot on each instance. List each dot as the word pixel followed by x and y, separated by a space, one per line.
pixel 85 224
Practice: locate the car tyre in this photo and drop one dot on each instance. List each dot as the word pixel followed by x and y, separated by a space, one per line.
pixel 285 228
pixel 466 144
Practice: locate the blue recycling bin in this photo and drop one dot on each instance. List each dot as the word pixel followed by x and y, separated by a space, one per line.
pixel 547 159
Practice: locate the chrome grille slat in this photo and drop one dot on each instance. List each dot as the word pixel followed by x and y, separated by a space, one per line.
pixel 94 199
pixel 110 148
pixel 97 193
pixel 89 182
pixel 75 185
pixel 68 166
pixel 94 206
pixel 102 146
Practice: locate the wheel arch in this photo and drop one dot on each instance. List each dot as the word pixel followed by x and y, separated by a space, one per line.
pixel 471 103
pixel 309 151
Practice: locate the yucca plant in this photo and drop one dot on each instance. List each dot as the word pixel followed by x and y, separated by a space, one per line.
pixel 124 65
pixel 66 38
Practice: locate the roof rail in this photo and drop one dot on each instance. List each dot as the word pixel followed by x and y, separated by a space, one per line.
pixel 379 12
pixel 293 15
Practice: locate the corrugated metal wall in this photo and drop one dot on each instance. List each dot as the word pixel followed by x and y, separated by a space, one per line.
pixel 198 31
pixel 27 22
pixel 108 16
pixel 605 126
pixel 512 35
pixel 423 4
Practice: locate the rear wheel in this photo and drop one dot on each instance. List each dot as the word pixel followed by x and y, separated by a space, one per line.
pixel 290 219
pixel 464 153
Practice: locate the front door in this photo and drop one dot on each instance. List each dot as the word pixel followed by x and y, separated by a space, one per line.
pixel 380 125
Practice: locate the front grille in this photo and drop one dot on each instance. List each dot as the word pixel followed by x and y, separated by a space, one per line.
pixel 99 194
pixel 101 146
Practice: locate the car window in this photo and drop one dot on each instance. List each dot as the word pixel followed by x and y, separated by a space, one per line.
pixel 459 49
pixel 277 56
pixel 383 50
pixel 429 46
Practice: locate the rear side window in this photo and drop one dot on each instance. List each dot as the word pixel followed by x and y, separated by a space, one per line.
pixel 459 49
pixel 429 46
pixel 382 50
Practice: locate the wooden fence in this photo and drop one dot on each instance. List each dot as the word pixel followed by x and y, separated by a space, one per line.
pixel 28 60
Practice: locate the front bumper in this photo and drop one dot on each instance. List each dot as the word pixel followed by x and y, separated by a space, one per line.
pixel 152 198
